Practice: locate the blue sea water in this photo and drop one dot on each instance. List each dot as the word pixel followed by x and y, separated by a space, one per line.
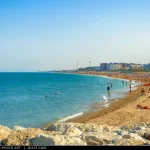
pixel 23 102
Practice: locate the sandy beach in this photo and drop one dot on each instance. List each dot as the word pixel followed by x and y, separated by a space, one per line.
pixel 124 111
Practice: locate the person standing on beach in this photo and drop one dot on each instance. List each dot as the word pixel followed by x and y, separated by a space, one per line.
pixel 122 82
pixel 130 87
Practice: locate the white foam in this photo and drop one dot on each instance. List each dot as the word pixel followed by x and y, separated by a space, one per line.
pixel 114 78
pixel 105 98
pixel 106 77
pixel 106 105
pixel 70 117
pixel 133 85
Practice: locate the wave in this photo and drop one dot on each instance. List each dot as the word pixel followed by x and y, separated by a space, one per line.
pixel 107 105
pixel 70 117
pixel 105 98
pixel 114 78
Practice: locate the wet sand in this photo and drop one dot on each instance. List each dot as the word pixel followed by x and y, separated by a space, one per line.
pixel 121 112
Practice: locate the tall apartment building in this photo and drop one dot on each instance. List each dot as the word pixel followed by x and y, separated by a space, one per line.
pixel 104 66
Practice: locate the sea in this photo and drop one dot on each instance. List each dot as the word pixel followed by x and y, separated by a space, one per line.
pixel 33 99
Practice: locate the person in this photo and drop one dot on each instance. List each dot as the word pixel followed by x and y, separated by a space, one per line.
pixel 46 96
pixel 122 82
pixel 111 84
pixel 142 91
pixel 108 89
pixel 130 87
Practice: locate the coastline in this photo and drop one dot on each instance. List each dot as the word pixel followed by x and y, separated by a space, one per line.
pixel 120 124
pixel 114 105
pixel 102 106
pixel 104 115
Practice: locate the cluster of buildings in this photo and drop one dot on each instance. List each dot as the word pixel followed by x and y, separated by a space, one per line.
pixel 115 66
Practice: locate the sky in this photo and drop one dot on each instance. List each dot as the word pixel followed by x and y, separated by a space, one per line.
pixel 56 34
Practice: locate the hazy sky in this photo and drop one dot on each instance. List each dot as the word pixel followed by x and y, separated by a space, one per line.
pixel 56 34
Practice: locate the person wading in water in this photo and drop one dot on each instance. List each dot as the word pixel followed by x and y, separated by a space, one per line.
pixel 108 90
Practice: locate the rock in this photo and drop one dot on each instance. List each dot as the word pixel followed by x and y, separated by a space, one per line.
pixel 133 136
pixel 53 132
pixel 148 124
pixel 126 136
pixel 134 131
pixel 121 132
pixel 142 124
pixel 124 128
pixel 72 131
pixel 130 142
pixel 100 138
pixel 140 133
pixel 4 132
pixel 51 127
pixel 128 128
pixel 58 126
pixel 76 134
pixel 89 127
pixel 139 128
pixel 146 144
pixel 147 135
pixel 84 127
pixel 46 140
pixel 106 129
pixel 20 137
pixel 74 141
pixel 4 128
pixel 49 140
pixel 17 128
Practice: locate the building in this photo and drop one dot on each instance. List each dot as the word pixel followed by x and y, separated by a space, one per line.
pixel 104 66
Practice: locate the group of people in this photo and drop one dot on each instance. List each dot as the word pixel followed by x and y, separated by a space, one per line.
pixel 143 92
pixel 140 76
pixel 108 87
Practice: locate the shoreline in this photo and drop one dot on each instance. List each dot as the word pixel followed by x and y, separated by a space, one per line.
pixel 123 123
pixel 114 105
pixel 104 113
pixel 102 106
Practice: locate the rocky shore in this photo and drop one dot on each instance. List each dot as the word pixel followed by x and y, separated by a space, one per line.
pixel 76 134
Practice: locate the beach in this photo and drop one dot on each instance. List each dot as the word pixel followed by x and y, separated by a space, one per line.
pixel 123 123
pixel 124 111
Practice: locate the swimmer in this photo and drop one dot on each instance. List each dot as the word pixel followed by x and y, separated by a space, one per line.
pixel 111 84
